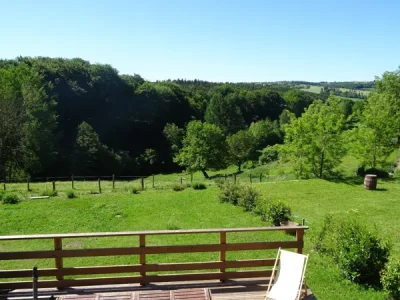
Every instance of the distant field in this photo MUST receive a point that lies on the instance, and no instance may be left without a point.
(317, 89)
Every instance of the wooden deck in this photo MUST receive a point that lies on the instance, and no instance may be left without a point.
(246, 289)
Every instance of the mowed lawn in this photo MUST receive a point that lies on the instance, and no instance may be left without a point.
(189, 209)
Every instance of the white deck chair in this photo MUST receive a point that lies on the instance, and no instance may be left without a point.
(290, 277)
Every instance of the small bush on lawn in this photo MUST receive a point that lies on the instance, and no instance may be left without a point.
(391, 280)
(360, 253)
(50, 193)
(380, 173)
(249, 197)
(178, 187)
(230, 192)
(198, 186)
(276, 212)
(11, 199)
(70, 194)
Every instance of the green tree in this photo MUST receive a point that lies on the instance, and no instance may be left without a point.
(314, 142)
(204, 148)
(224, 111)
(376, 135)
(174, 136)
(240, 146)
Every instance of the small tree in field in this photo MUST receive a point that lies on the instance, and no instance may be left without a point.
(313, 142)
(203, 148)
(240, 145)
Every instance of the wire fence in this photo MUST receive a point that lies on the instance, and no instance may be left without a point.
(113, 183)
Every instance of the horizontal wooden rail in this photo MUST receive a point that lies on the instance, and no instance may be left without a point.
(220, 267)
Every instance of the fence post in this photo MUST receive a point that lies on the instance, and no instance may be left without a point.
(234, 177)
(142, 245)
(299, 238)
(54, 186)
(99, 185)
(4, 184)
(191, 177)
(153, 181)
(250, 177)
(260, 177)
(181, 180)
(113, 180)
(27, 183)
(58, 259)
(34, 283)
(72, 181)
(142, 183)
(222, 254)
(226, 177)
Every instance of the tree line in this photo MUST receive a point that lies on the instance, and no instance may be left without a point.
(68, 116)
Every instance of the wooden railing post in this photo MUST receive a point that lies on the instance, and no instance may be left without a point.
(142, 183)
(59, 259)
(222, 254)
(142, 244)
(113, 181)
(35, 283)
(72, 181)
(299, 238)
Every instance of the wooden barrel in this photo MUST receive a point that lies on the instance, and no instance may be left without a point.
(370, 182)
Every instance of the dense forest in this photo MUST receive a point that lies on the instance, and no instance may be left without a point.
(67, 116)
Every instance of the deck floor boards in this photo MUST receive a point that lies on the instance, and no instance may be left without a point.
(246, 289)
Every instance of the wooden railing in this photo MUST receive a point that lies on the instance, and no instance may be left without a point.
(58, 254)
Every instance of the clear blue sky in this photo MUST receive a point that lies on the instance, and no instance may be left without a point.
(215, 40)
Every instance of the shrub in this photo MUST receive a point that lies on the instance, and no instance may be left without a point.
(178, 187)
(277, 211)
(380, 173)
(249, 197)
(70, 194)
(268, 154)
(391, 280)
(199, 186)
(360, 253)
(49, 193)
(230, 192)
(11, 199)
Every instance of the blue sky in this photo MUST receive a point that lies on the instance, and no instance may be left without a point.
(214, 40)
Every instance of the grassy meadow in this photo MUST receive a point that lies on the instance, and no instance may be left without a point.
(162, 208)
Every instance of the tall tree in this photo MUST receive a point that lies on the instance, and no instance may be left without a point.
(204, 148)
(314, 142)
(240, 146)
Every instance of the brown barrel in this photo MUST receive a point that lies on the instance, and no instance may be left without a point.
(370, 182)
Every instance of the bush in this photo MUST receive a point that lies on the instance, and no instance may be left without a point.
(391, 280)
(380, 173)
(249, 197)
(230, 192)
(178, 187)
(277, 212)
(199, 186)
(50, 193)
(360, 253)
(268, 154)
(11, 199)
(70, 194)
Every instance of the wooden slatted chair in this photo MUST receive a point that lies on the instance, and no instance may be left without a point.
(288, 278)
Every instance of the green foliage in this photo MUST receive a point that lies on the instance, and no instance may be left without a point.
(390, 280)
(204, 147)
(359, 252)
(240, 146)
(275, 212)
(11, 199)
(70, 194)
(178, 187)
(50, 193)
(268, 155)
(265, 132)
(230, 192)
(134, 190)
(380, 173)
(174, 136)
(249, 197)
(314, 142)
(198, 186)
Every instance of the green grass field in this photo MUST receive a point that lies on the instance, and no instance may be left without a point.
(166, 209)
